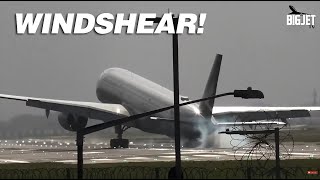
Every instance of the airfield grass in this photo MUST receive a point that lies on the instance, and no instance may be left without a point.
(129, 171)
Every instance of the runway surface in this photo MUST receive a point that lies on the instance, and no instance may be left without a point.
(63, 150)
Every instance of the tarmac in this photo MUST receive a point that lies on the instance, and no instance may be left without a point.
(63, 150)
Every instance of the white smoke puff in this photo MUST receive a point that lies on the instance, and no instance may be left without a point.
(224, 140)
(216, 140)
(207, 138)
(204, 134)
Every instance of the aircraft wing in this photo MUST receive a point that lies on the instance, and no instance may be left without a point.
(248, 113)
(100, 111)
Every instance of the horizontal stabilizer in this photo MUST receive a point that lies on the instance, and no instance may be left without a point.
(253, 123)
(247, 113)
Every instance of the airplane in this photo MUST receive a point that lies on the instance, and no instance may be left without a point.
(123, 93)
(294, 11)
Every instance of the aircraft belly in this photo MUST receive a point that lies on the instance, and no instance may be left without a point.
(188, 131)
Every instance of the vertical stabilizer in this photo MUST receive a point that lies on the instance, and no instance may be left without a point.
(211, 88)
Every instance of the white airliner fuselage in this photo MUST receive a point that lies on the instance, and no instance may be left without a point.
(138, 94)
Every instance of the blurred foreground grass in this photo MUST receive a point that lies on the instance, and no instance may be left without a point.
(295, 168)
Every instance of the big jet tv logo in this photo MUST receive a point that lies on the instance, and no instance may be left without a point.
(300, 19)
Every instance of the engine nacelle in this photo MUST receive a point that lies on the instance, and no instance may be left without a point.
(72, 122)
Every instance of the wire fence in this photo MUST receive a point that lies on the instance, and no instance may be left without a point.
(131, 172)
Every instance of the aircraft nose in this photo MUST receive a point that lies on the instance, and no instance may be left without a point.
(108, 72)
(104, 90)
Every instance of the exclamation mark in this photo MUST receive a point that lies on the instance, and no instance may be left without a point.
(202, 19)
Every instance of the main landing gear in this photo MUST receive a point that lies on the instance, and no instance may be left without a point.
(119, 142)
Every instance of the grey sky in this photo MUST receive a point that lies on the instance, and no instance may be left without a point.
(258, 48)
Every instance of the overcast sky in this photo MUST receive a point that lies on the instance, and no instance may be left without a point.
(258, 48)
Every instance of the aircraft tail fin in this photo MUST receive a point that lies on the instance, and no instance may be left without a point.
(205, 107)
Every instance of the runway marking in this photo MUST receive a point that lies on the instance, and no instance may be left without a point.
(13, 161)
(102, 159)
(23, 150)
(246, 154)
(160, 149)
(195, 150)
(187, 152)
(67, 161)
(172, 156)
(206, 155)
(301, 154)
(223, 153)
(137, 158)
(91, 153)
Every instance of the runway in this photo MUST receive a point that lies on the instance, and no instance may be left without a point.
(63, 150)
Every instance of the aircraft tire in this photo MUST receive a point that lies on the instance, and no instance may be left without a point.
(119, 143)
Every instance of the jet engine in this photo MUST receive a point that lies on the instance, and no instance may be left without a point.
(72, 122)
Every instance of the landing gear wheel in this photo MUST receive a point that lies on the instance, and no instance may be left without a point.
(119, 143)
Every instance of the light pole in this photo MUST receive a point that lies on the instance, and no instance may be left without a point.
(80, 137)
(176, 100)
(277, 141)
